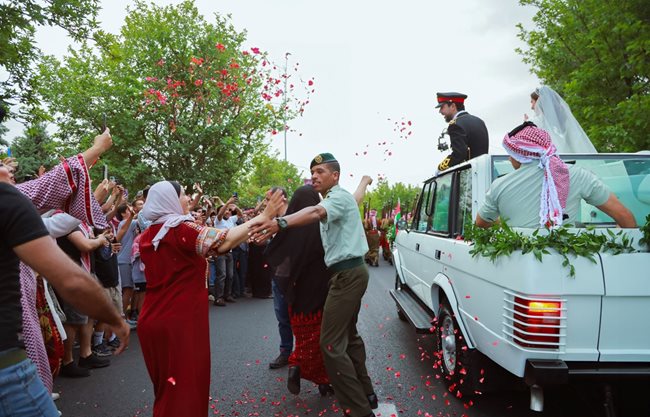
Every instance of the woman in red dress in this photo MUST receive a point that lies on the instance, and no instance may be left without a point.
(173, 325)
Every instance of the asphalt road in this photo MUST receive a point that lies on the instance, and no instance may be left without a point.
(244, 339)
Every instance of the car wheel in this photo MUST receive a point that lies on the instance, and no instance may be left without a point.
(398, 287)
(457, 361)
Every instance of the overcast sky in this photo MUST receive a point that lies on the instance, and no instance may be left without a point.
(373, 61)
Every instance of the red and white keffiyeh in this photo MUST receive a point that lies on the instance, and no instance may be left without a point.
(66, 187)
(532, 143)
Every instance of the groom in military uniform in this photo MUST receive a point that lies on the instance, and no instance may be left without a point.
(468, 134)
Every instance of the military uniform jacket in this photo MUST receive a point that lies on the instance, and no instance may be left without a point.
(469, 139)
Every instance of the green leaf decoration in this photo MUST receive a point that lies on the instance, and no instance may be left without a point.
(501, 240)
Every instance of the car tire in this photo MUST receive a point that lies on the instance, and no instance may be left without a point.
(458, 363)
(398, 287)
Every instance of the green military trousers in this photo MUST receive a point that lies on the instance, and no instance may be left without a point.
(343, 350)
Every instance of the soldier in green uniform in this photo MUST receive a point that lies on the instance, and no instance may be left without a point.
(467, 133)
(345, 245)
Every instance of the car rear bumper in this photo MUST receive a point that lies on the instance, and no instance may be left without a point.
(557, 372)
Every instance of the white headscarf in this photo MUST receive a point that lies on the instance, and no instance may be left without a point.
(163, 207)
(60, 224)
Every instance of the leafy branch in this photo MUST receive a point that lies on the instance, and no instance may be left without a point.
(501, 240)
(645, 229)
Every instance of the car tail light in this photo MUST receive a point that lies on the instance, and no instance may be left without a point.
(537, 322)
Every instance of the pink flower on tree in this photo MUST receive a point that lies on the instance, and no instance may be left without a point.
(220, 47)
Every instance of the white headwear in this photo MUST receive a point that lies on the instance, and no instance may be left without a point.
(59, 224)
(554, 115)
(163, 207)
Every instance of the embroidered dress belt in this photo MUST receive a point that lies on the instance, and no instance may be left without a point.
(10, 357)
(347, 264)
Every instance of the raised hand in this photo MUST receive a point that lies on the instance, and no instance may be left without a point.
(104, 141)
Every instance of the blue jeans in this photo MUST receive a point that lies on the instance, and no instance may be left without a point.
(284, 323)
(22, 393)
(240, 266)
(223, 283)
(212, 277)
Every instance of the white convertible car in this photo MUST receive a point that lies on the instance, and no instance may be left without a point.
(529, 317)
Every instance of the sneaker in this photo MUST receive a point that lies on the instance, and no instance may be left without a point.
(55, 396)
(211, 297)
(279, 362)
(220, 302)
(71, 370)
(93, 361)
(132, 324)
(102, 350)
(114, 344)
(230, 299)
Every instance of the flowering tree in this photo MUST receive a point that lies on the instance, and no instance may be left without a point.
(184, 98)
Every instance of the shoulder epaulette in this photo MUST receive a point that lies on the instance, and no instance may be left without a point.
(444, 164)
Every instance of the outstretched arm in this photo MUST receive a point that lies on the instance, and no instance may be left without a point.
(74, 284)
(102, 143)
(261, 229)
(239, 234)
(617, 211)
(361, 189)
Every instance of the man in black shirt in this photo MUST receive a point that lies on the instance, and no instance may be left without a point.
(24, 237)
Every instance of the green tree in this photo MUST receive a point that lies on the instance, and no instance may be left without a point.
(595, 54)
(33, 149)
(18, 52)
(183, 97)
(3, 132)
(384, 197)
(268, 171)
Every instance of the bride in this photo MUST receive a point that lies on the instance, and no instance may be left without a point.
(553, 114)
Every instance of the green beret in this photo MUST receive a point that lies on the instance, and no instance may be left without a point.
(322, 158)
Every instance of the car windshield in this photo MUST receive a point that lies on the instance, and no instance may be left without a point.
(627, 176)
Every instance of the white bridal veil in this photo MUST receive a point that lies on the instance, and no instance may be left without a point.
(554, 115)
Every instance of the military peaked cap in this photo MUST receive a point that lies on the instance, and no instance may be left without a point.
(450, 98)
(322, 158)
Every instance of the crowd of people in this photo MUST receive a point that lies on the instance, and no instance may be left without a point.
(81, 268)
(144, 263)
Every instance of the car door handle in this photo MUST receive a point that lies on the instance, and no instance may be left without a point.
(437, 254)
(417, 246)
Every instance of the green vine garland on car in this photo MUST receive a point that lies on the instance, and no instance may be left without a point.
(645, 229)
(501, 240)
